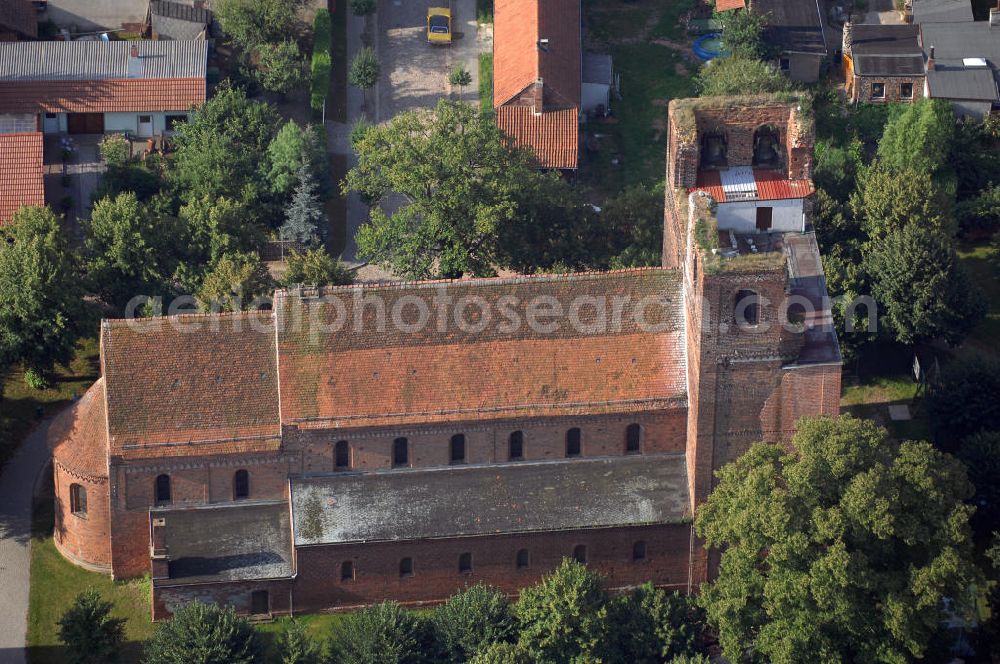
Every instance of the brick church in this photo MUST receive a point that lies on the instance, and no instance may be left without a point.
(404, 440)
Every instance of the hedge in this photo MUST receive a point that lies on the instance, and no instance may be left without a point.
(322, 41)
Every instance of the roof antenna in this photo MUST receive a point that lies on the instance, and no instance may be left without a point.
(543, 44)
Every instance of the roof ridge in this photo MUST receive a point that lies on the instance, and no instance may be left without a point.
(218, 315)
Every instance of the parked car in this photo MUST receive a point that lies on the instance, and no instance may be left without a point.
(439, 25)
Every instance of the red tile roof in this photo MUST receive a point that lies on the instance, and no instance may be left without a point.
(518, 59)
(553, 136)
(365, 376)
(191, 385)
(726, 5)
(102, 96)
(79, 436)
(22, 180)
(20, 16)
(771, 186)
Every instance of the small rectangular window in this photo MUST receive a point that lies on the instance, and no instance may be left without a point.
(465, 563)
(516, 450)
(174, 120)
(457, 451)
(783, 62)
(401, 452)
(878, 90)
(906, 90)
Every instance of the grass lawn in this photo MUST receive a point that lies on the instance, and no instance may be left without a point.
(980, 260)
(880, 378)
(643, 38)
(486, 82)
(21, 406)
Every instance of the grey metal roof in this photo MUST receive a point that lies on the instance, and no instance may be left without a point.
(886, 50)
(955, 41)
(597, 68)
(466, 501)
(942, 11)
(165, 27)
(180, 11)
(955, 81)
(232, 542)
(99, 60)
(889, 65)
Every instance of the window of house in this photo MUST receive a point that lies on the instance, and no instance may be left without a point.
(341, 455)
(639, 551)
(523, 559)
(401, 452)
(580, 554)
(457, 448)
(747, 308)
(347, 570)
(162, 489)
(465, 563)
(77, 500)
(241, 485)
(174, 120)
(633, 437)
(260, 603)
(906, 90)
(783, 63)
(406, 567)
(573, 442)
(516, 446)
(878, 90)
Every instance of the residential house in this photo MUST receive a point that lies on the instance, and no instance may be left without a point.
(963, 61)
(883, 63)
(177, 20)
(18, 20)
(21, 174)
(537, 77)
(938, 11)
(93, 87)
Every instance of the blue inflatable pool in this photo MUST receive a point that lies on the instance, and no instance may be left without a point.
(709, 46)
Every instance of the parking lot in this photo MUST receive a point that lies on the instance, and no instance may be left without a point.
(415, 73)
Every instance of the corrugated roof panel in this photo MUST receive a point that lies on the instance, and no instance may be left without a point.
(99, 60)
(738, 182)
(731, 185)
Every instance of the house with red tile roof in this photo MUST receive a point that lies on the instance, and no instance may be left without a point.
(21, 174)
(537, 77)
(94, 87)
(18, 20)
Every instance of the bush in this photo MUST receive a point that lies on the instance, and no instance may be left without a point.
(296, 647)
(470, 621)
(317, 268)
(114, 150)
(321, 59)
(88, 631)
(384, 633)
(365, 69)
(964, 400)
(204, 634)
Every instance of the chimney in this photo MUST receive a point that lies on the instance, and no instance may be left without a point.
(134, 51)
(538, 97)
(848, 38)
(930, 59)
(543, 45)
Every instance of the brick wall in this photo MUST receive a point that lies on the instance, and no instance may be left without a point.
(167, 599)
(84, 538)
(662, 431)
(436, 576)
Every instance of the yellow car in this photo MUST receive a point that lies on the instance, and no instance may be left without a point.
(439, 25)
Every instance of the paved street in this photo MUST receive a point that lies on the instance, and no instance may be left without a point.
(17, 480)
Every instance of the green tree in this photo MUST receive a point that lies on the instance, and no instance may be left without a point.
(501, 653)
(963, 400)
(459, 77)
(650, 625)
(296, 647)
(840, 550)
(743, 34)
(459, 180)
(219, 152)
(234, 282)
(42, 313)
(981, 455)
(381, 634)
(922, 290)
(365, 70)
(919, 137)
(279, 67)
(888, 199)
(129, 251)
(635, 217)
(114, 150)
(739, 75)
(204, 634)
(218, 226)
(88, 631)
(362, 7)
(285, 154)
(316, 267)
(564, 619)
(470, 621)
(305, 219)
(837, 166)
(250, 23)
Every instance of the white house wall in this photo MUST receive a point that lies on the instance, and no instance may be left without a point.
(741, 216)
(120, 122)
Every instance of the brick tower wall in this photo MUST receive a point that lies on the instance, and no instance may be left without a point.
(82, 538)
